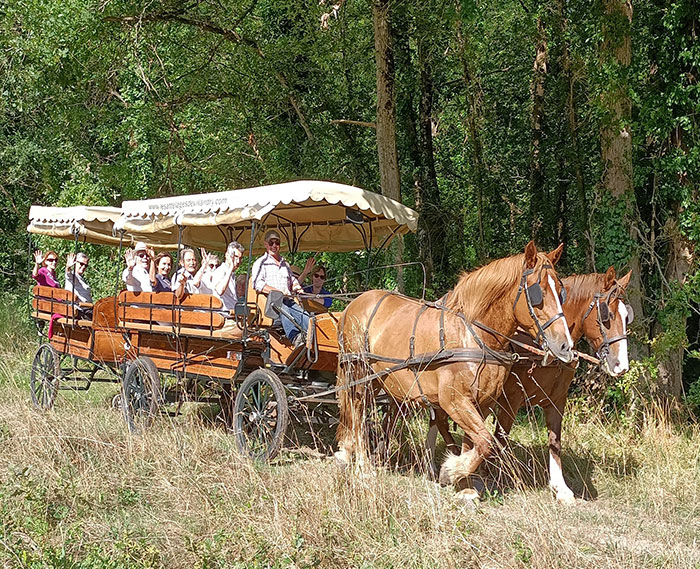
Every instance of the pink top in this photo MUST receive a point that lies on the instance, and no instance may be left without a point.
(45, 278)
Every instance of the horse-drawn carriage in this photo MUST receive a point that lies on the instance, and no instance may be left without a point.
(168, 350)
(454, 356)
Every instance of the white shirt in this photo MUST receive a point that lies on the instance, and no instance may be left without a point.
(266, 271)
(206, 285)
(137, 279)
(189, 281)
(82, 289)
(229, 297)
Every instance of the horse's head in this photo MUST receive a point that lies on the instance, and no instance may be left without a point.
(605, 324)
(537, 305)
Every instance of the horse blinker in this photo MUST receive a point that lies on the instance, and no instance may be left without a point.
(534, 294)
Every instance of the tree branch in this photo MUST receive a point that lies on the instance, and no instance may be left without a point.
(355, 123)
(230, 35)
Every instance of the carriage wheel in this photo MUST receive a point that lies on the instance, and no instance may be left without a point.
(46, 373)
(140, 396)
(261, 415)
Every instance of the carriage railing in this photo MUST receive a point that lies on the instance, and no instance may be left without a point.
(50, 303)
(164, 312)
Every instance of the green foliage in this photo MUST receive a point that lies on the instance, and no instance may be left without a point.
(103, 102)
(692, 398)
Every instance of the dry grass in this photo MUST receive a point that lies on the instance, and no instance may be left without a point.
(77, 491)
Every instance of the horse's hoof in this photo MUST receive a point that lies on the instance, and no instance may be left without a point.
(448, 471)
(341, 459)
(469, 496)
(566, 498)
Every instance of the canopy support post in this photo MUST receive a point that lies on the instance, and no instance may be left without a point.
(75, 262)
(248, 283)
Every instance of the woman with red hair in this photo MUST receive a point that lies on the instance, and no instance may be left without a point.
(44, 271)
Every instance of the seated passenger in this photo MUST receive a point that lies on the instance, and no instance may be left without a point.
(241, 284)
(224, 278)
(187, 278)
(207, 284)
(160, 273)
(318, 279)
(74, 278)
(136, 276)
(44, 271)
(271, 272)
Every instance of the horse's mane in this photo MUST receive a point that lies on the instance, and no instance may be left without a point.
(582, 287)
(476, 291)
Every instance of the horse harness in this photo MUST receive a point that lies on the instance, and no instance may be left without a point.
(419, 362)
(601, 302)
(483, 355)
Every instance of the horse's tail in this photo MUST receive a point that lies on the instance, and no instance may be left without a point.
(343, 378)
(352, 367)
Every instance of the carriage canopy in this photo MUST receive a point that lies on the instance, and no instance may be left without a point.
(310, 215)
(92, 224)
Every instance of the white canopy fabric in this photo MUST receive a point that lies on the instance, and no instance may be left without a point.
(310, 215)
(93, 224)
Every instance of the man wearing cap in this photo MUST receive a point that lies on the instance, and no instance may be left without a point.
(271, 272)
(136, 275)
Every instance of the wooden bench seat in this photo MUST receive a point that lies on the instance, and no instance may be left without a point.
(195, 315)
(47, 301)
(233, 333)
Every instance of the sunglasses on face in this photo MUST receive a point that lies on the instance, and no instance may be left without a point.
(51, 260)
(272, 242)
(320, 276)
(82, 264)
(141, 254)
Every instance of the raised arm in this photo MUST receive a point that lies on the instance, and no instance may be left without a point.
(310, 264)
(38, 260)
(70, 262)
(130, 260)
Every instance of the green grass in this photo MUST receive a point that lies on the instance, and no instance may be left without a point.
(77, 491)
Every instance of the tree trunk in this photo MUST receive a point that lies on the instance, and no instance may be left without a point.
(389, 175)
(386, 106)
(472, 90)
(539, 206)
(616, 141)
(670, 380)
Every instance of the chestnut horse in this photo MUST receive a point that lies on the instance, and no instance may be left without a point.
(457, 352)
(594, 309)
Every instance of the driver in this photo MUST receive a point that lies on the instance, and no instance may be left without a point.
(271, 272)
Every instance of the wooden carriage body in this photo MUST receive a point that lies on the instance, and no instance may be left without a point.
(73, 331)
(188, 337)
(137, 338)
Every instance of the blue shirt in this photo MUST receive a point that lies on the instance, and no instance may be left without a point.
(326, 301)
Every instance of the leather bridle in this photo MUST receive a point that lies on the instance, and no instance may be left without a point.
(534, 297)
(601, 302)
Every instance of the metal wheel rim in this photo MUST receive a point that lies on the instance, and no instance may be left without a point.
(44, 380)
(258, 424)
(136, 402)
